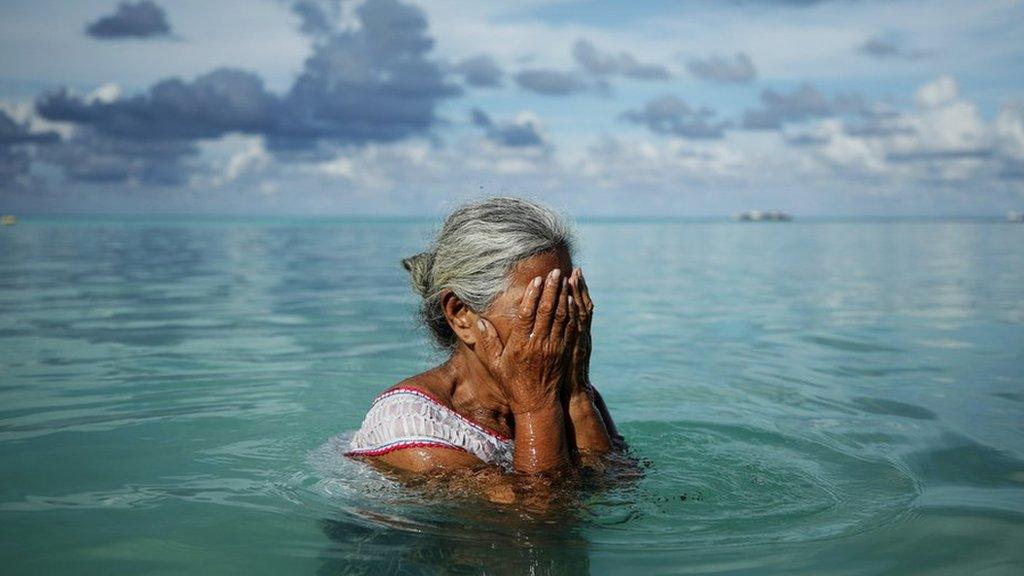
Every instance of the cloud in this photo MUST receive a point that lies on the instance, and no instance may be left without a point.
(888, 47)
(551, 82)
(942, 142)
(16, 139)
(937, 93)
(595, 61)
(522, 131)
(371, 83)
(142, 19)
(736, 70)
(212, 105)
(946, 127)
(314, 20)
(672, 116)
(480, 71)
(95, 159)
(13, 133)
(634, 168)
(804, 103)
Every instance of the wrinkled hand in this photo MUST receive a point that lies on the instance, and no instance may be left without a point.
(579, 373)
(534, 361)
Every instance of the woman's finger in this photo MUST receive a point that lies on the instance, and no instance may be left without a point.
(572, 324)
(561, 316)
(489, 339)
(576, 292)
(586, 304)
(528, 306)
(548, 304)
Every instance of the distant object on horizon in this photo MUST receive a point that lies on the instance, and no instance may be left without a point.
(759, 216)
(8, 220)
(1012, 216)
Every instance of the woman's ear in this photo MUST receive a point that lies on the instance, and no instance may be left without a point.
(459, 316)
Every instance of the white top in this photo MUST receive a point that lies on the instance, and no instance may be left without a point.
(405, 417)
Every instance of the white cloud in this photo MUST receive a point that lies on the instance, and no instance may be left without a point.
(936, 93)
(253, 157)
(943, 142)
(105, 94)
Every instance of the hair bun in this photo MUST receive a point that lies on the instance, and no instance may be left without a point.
(420, 269)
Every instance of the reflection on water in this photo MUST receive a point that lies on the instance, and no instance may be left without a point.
(811, 398)
(496, 545)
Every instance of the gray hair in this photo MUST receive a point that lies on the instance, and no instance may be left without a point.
(476, 249)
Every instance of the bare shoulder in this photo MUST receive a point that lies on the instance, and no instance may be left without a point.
(419, 459)
(429, 382)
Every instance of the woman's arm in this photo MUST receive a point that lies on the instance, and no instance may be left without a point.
(531, 367)
(606, 416)
(590, 431)
(591, 425)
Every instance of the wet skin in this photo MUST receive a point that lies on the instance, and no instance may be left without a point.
(520, 368)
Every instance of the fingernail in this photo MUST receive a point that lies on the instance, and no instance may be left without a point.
(555, 274)
(480, 325)
(570, 300)
(537, 281)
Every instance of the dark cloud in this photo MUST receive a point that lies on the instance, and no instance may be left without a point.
(16, 139)
(212, 105)
(736, 70)
(14, 166)
(517, 133)
(874, 126)
(888, 47)
(595, 61)
(314, 17)
(371, 83)
(551, 82)
(672, 116)
(940, 155)
(14, 133)
(807, 139)
(804, 103)
(142, 19)
(480, 71)
(92, 158)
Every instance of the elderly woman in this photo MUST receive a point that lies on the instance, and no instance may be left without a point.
(500, 293)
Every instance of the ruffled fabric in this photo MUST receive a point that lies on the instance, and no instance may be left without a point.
(409, 418)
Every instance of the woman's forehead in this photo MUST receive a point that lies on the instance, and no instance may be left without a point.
(540, 265)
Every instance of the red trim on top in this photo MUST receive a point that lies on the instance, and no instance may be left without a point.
(402, 446)
(431, 397)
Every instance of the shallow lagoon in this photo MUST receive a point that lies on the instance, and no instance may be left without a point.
(812, 397)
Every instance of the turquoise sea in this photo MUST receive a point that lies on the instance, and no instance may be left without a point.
(826, 397)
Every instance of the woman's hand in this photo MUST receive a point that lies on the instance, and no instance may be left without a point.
(579, 372)
(588, 429)
(534, 361)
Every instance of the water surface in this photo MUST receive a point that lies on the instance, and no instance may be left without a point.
(820, 398)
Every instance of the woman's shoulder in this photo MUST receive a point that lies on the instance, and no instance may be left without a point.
(417, 413)
(426, 384)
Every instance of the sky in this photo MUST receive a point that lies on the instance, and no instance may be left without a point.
(600, 108)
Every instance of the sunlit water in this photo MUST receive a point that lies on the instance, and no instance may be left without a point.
(817, 398)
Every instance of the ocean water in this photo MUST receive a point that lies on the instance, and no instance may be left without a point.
(811, 398)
